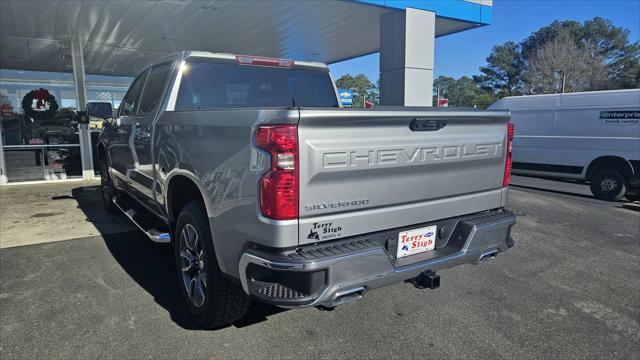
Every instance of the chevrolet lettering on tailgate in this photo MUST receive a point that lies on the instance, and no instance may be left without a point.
(410, 156)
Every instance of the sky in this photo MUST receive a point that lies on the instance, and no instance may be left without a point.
(463, 53)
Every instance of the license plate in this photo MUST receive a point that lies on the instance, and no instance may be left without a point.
(416, 241)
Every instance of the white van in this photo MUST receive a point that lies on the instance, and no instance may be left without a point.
(589, 136)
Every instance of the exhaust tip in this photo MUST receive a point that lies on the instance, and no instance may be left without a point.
(489, 255)
(343, 297)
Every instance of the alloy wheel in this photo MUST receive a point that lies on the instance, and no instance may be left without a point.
(194, 275)
(608, 184)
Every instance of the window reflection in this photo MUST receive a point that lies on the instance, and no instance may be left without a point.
(47, 147)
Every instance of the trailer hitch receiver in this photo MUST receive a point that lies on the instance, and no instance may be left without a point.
(426, 279)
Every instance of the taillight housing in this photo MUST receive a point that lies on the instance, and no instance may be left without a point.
(509, 160)
(279, 185)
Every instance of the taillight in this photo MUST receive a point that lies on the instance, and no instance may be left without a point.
(263, 61)
(279, 185)
(507, 165)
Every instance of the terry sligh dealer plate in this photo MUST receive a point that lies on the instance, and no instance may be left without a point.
(415, 241)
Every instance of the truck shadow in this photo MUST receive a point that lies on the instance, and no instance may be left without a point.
(573, 188)
(559, 192)
(583, 197)
(149, 264)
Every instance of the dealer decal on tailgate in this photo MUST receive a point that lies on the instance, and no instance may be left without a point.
(415, 241)
(324, 231)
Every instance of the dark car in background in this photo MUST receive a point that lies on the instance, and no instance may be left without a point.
(62, 129)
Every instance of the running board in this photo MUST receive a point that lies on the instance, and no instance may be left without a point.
(147, 222)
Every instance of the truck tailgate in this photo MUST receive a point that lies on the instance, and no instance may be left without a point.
(368, 170)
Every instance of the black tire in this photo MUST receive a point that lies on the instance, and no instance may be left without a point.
(108, 190)
(609, 185)
(221, 302)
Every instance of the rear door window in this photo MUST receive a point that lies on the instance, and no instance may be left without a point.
(130, 103)
(207, 85)
(153, 88)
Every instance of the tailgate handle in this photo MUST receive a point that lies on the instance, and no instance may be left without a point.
(419, 124)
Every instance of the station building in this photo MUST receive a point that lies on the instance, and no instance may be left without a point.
(76, 51)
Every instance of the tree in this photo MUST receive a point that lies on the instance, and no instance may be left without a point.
(443, 86)
(362, 88)
(600, 47)
(502, 75)
(462, 92)
(537, 40)
(562, 63)
(610, 46)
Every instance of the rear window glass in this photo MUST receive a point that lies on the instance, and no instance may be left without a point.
(153, 88)
(206, 85)
(130, 104)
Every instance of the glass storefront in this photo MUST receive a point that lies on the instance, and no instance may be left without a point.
(40, 137)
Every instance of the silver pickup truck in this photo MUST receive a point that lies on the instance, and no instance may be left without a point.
(268, 189)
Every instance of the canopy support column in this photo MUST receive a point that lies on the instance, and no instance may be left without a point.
(407, 40)
(86, 153)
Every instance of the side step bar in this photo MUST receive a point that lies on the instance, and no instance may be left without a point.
(148, 223)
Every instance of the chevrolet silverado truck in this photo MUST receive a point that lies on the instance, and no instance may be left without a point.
(268, 189)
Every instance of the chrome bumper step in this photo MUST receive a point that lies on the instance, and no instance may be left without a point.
(145, 221)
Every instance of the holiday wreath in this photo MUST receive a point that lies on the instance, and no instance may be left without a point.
(46, 104)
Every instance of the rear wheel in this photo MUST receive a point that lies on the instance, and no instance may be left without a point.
(212, 300)
(108, 190)
(608, 184)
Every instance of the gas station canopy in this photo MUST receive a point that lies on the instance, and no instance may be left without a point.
(119, 37)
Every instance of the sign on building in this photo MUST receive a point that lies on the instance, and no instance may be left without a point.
(346, 97)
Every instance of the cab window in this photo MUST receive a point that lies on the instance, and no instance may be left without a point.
(130, 103)
(153, 88)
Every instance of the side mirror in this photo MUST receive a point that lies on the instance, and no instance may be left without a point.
(102, 110)
(82, 117)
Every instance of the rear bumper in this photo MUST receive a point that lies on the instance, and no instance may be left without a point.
(331, 274)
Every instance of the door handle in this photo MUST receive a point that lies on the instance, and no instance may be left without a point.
(423, 124)
(142, 134)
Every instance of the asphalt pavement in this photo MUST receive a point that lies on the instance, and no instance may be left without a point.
(569, 289)
(41, 213)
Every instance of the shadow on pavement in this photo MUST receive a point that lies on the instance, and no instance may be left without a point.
(150, 264)
(541, 188)
(619, 203)
(569, 187)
